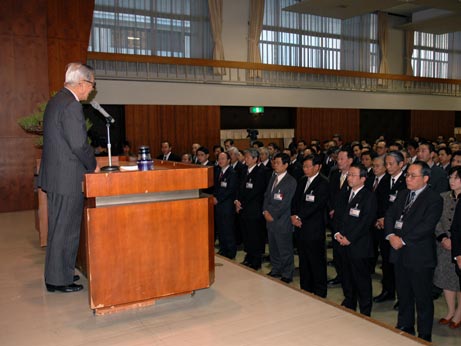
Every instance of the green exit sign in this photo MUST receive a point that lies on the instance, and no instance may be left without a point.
(256, 109)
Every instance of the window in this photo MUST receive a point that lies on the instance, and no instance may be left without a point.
(437, 56)
(174, 28)
(306, 40)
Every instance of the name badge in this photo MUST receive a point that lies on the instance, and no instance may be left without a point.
(223, 183)
(310, 198)
(398, 224)
(249, 185)
(278, 196)
(392, 198)
(354, 212)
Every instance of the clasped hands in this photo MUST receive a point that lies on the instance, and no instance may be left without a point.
(342, 240)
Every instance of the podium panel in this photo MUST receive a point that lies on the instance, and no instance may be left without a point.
(147, 251)
(147, 235)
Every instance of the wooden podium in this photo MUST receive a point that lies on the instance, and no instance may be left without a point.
(148, 234)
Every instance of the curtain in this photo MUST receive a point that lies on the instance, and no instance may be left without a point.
(359, 43)
(454, 55)
(254, 32)
(409, 44)
(383, 41)
(215, 8)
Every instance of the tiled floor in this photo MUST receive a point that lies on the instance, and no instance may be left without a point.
(241, 308)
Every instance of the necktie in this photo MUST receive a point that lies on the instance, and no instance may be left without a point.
(341, 180)
(375, 185)
(392, 182)
(351, 196)
(412, 197)
(164, 157)
(220, 175)
(307, 185)
(276, 181)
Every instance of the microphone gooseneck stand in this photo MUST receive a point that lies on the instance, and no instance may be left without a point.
(109, 168)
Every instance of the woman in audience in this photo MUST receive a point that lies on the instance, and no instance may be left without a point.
(445, 275)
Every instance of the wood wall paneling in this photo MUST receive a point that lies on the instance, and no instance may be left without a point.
(322, 123)
(24, 76)
(181, 125)
(430, 124)
(69, 25)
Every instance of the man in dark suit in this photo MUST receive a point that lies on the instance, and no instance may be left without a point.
(225, 188)
(338, 184)
(166, 154)
(249, 206)
(386, 195)
(308, 213)
(277, 212)
(409, 225)
(444, 158)
(354, 215)
(439, 179)
(67, 156)
(379, 188)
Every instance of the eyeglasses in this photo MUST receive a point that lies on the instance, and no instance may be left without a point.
(353, 175)
(413, 176)
(93, 84)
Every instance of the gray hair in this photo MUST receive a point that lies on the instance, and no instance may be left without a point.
(264, 150)
(76, 72)
(253, 152)
(233, 150)
(397, 155)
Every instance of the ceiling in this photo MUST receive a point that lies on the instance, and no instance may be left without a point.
(434, 16)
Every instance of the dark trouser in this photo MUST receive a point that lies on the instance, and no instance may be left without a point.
(225, 222)
(281, 250)
(356, 282)
(414, 287)
(337, 262)
(312, 264)
(388, 268)
(64, 221)
(254, 238)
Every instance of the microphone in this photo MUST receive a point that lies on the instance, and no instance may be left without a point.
(101, 110)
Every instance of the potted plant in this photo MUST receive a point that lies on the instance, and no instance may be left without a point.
(33, 123)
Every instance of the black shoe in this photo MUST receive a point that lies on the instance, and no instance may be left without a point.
(245, 263)
(396, 306)
(65, 289)
(385, 295)
(254, 266)
(426, 337)
(76, 277)
(286, 280)
(274, 275)
(409, 330)
(334, 282)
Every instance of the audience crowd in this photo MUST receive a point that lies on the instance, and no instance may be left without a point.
(393, 200)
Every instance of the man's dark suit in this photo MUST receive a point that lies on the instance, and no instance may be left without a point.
(335, 189)
(379, 191)
(310, 206)
(171, 157)
(251, 196)
(280, 231)
(67, 156)
(386, 197)
(438, 180)
(295, 169)
(225, 189)
(414, 263)
(355, 257)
